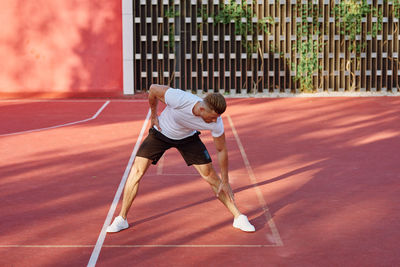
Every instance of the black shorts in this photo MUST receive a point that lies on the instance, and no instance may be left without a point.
(191, 148)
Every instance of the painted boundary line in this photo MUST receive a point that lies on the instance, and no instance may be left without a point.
(253, 179)
(61, 125)
(138, 246)
(71, 100)
(102, 235)
(189, 246)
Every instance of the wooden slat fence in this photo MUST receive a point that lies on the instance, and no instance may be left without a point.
(178, 43)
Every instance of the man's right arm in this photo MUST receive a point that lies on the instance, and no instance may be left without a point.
(156, 92)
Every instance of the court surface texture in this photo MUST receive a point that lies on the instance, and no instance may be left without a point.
(318, 177)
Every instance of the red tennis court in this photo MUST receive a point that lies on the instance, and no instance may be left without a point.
(318, 177)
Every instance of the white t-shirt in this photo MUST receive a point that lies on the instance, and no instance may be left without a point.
(177, 120)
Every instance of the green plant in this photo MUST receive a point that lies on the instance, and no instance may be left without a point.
(305, 46)
(349, 15)
(396, 13)
(308, 10)
(202, 13)
(308, 64)
(171, 13)
(396, 8)
(242, 15)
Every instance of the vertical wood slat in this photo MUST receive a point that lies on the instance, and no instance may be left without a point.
(376, 68)
(373, 57)
(390, 48)
(393, 48)
(385, 47)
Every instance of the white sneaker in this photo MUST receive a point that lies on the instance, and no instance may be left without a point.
(118, 224)
(242, 223)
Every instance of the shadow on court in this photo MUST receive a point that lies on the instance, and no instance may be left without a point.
(326, 167)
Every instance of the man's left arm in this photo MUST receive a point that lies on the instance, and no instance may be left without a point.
(222, 152)
(220, 145)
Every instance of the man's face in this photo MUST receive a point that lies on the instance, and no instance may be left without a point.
(209, 115)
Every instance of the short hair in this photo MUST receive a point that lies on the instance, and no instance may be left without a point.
(216, 102)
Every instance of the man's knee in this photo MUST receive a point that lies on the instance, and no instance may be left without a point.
(139, 167)
(135, 176)
(207, 171)
(138, 172)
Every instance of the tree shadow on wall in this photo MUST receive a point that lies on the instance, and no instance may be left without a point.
(63, 46)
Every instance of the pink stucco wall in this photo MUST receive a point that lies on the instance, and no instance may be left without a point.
(71, 46)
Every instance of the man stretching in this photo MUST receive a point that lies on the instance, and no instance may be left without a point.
(177, 127)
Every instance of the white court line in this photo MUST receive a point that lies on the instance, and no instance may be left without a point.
(179, 174)
(138, 246)
(253, 179)
(71, 100)
(189, 246)
(61, 125)
(46, 246)
(102, 236)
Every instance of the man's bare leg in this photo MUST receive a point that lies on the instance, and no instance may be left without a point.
(207, 171)
(138, 169)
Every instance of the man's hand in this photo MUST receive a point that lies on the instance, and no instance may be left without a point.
(156, 93)
(222, 151)
(154, 121)
(225, 187)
